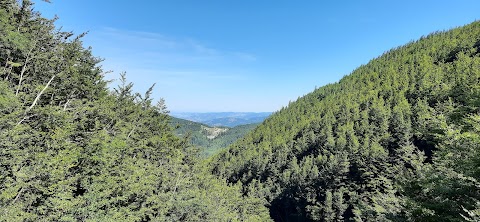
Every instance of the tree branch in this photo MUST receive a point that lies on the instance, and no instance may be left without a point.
(39, 95)
(24, 68)
(18, 195)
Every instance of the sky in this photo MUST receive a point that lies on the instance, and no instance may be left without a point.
(245, 55)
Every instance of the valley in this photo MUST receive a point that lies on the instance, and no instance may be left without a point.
(225, 119)
(210, 139)
(396, 139)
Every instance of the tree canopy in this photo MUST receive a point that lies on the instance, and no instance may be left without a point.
(72, 150)
(396, 140)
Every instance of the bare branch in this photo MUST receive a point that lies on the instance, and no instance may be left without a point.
(24, 68)
(39, 95)
(18, 195)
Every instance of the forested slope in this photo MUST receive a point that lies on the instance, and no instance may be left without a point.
(71, 150)
(396, 140)
(198, 134)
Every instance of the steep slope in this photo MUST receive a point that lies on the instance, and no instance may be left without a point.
(397, 139)
(210, 139)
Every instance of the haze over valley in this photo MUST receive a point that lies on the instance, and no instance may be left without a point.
(229, 119)
(291, 111)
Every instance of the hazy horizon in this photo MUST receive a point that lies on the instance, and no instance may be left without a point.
(217, 111)
(246, 56)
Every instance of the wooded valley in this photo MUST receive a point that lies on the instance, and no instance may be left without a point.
(398, 139)
(209, 143)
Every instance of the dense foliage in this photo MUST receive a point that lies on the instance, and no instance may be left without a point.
(198, 134)
(396, 140)
(70, 150)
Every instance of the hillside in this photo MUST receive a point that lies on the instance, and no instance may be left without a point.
(73, 150)
(209, 139)
(224, 119)
(396, 140)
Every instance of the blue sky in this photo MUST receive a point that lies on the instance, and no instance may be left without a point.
(247, 56)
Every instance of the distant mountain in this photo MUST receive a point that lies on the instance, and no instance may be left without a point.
(227, 119)
(210, 138)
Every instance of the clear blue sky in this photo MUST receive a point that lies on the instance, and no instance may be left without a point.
(244, 55)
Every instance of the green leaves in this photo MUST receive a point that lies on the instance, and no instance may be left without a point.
(70, 150)
(14, 64)
(398, 137)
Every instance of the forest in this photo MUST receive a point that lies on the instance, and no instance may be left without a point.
(198, 134)
(398, 139)
(72, 150)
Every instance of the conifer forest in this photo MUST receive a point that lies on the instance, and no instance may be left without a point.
(398, 139)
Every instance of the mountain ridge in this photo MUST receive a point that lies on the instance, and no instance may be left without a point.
(362, 149)
(225, 119)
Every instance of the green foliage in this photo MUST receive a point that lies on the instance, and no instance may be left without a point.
(70, 150)
(396, 140)
(198, 134)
